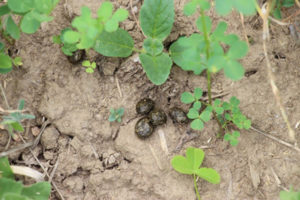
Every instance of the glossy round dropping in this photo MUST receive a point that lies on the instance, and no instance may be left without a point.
(144, 106)
(76, 57)
(157, 117)
(178, 116)
(144, 128)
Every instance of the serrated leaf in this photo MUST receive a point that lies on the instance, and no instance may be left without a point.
(29, 24)
(105, 11)
(207, 24)
(5, 170)
(189, 53)
(71, 37)
(20, 6)
(157, 67)
(153, 46)
(5, 63)
(12, 28)
(37, 191)
(197, 124)
(193, 113)
(187, 98)
(234, 70)
(198, 93)
(209, 175)
(237, 50)
(157, 18)
(115, 44)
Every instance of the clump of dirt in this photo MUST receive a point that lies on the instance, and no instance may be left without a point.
(95, 159)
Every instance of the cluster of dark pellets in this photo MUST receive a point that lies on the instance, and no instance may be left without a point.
(154, 117)
(76, 57)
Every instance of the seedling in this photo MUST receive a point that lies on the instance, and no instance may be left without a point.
(191, 165)
(10, 189)
(116, 115)
(31, 14)
(278, 4)
(290, 195)
(13, 122)
(90, 67)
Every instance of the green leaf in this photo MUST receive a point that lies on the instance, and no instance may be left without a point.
(223, 7)
(289, 195)
(105, 11)
(17, 61)
(198, 93)
(234, 70)
(189, 53)
(89, 70)
(115, 44)
(205, 116)
(234, 101)
(247, 7)
(207, 22)
(219, 31)
(9, 186)
(193, 113)
(20, 6)
(45, 6)
(4, 10)
(111, 25)
(190, 8)
(288, 3)
(219, 110)
(187, 98)
(86, 63)
(197, 105)
(12, 28)
(209, 175)
(1, 47)
(247, 124)
(120, 15)
(277, 13)
(195, 156)
(5, 63)
(21, 104)
(37, 191)
(157, 18)
(17, 126)
(237, 50)
(153, 46)
(120, 111)
(71, 37)
(197, 124)
(157, 67)
(29, 24)
(11, 196)
(5, 170)
(41, 17)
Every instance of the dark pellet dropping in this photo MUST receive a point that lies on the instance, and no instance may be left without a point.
(143, 128)
(178, 116)
(76, 57)
(157, 117)
(144, 106)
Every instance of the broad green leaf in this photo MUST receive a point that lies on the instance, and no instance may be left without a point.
(198, 93)
(247, 7)
(205, 116)
(12, 196)
(223, 7)
(1, 47)
(215, 63)
(157, 67)
(234, 70)
(111, 25)
(5, 64)
(4, 10)
(29, 24)
(182, 165)
(204, 22)
(44, 6)
(17, 126)
(12, 28)
(189, 53)
(190, 8)
(230, 39)
(5, 170)
(115, 44)
(197, 105)
(120, 15)
(37, 191)
(193, 113)
(41, 17)
(195, 156)
(237, 50)
(9, 186)
(187, 98)
(20, 6)
(197, 124)
(209, 175)
(105, 11)
(157, 18)
(71, 37)
(153, 46)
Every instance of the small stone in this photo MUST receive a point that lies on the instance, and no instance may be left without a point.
(49, 138)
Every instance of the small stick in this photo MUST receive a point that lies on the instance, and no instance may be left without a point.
(155, 157)
(118, 86)
(281, 23)
(37, 140)
(279, 184)
(4, 96)
(15, 149)
(163, 141)
(297, 2)
(215, 96)
(134, 17)
(276, 139)
(244, 29)
(291, 16)
(53, 171)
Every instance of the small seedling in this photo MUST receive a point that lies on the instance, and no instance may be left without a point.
(116, 115)
(13, 122)
(290, 195)
(10, 189)
(90, 67)
(232, 138)
(191, 165)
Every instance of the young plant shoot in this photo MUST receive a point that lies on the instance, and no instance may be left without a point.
(116, 115)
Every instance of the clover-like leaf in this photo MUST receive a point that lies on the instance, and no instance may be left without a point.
(232, 138)
(209, 175)
(157, 18)
(157, 67)
(29, 23)
(234, 70)
(204, 22)
(187, 98)
(193, 113)
(237, 50)
(198, 93)
(20, 6)
(197, 105)
(105, 11)
(205, 115)
(12, 28)
(4, 10)
(71, 37)
(197, 124)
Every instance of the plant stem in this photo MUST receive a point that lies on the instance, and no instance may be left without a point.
(138, 50)
(196, 188)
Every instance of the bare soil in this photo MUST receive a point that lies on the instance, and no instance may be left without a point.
(98, 160)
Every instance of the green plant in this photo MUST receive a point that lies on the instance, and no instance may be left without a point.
(10, 189)
(278, 4)
(290, 195)
(116, 115)
(13, 121)
(31, 14)
(191, 165)
(90, 67)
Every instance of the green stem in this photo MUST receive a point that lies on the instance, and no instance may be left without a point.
(196, 188)
(138, 50)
